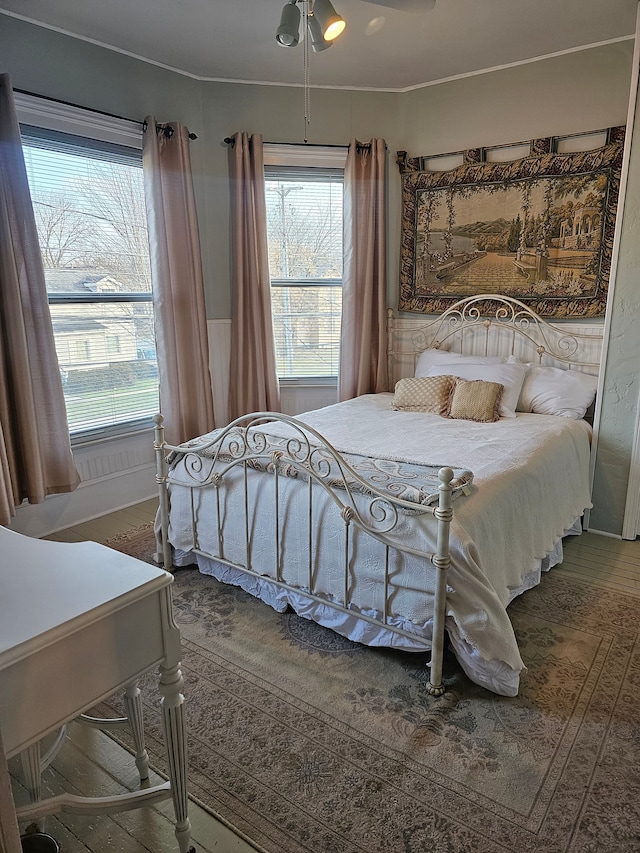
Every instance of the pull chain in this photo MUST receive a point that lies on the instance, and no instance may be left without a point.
(307, 89)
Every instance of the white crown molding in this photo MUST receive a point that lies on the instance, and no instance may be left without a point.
(542, 58)
(53, 115)
(411, 88)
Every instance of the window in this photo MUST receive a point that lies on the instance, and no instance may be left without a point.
(88, 201)
(304, 228)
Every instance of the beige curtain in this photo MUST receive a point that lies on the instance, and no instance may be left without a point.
(253, 381)
(363, 365)
(35, 452)
(186, 398)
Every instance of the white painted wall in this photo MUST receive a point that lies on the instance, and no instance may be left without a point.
(617, 470)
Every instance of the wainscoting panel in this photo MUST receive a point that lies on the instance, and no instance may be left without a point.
(219, 334)
(115, 473)
(120, 472)
(296, 399)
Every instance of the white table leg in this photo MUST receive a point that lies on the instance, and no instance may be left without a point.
(171, 686)
(133, 705)
(32, 770)
(31, 767)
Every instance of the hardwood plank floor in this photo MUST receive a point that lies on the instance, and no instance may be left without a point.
(92, 763)
(610, 563)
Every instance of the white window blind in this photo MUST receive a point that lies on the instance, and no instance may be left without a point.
(88, 201)
(304, 227)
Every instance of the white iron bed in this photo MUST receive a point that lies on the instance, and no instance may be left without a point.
(394, 527)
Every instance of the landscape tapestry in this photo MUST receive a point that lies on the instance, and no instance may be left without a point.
(538, 229)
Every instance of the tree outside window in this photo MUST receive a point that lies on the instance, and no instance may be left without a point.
(304, 225)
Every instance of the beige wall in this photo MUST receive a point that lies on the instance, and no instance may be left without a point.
(580, 91)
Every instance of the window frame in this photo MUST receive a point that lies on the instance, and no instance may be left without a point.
(44, 118)
(302, 158)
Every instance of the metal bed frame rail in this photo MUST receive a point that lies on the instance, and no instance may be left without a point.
(304, 454)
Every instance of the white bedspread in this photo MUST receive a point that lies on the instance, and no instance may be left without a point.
(531, 481)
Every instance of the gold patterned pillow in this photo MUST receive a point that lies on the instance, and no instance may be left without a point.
(475, 400)
(426, 394)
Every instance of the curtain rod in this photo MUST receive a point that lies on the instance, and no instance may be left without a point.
(228, 140)
(142, 124)
(166, 129)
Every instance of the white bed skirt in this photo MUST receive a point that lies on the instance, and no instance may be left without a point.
(495, 675)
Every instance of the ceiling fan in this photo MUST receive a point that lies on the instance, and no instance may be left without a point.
(321, 25)
(325, 24)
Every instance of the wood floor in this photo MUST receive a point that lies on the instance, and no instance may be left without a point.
(612, 563)
(91, 763)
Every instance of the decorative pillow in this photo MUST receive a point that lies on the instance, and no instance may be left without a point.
(426, 394)
(475, 400)
(430, 357)
(511, 376)
(554, 391)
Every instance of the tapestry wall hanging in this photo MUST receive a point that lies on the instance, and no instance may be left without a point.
(539, 229)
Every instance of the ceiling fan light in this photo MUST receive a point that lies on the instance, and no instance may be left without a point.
(288, 33)
(334, 29)
(331, 23)
(318, 41)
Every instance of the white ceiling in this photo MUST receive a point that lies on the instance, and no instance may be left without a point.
(382, 48)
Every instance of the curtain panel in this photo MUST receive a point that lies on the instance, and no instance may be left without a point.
(363, 344)
(186, 397)
(35, 449)
(253, 384)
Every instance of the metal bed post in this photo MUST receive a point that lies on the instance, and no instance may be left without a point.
(441, 560)
(166, 556)
(390, 352)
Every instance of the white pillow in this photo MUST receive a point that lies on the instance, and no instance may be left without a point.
(430, 357)
(553, 391)
(511, 376)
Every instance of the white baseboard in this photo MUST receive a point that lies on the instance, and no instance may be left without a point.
(604, 533)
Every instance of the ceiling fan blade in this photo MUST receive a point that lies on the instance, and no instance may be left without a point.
(405, 5)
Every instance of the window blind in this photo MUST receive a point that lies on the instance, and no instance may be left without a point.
(304, 227)
(88, 202)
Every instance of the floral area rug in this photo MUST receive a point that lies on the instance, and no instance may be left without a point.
(305, 741)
